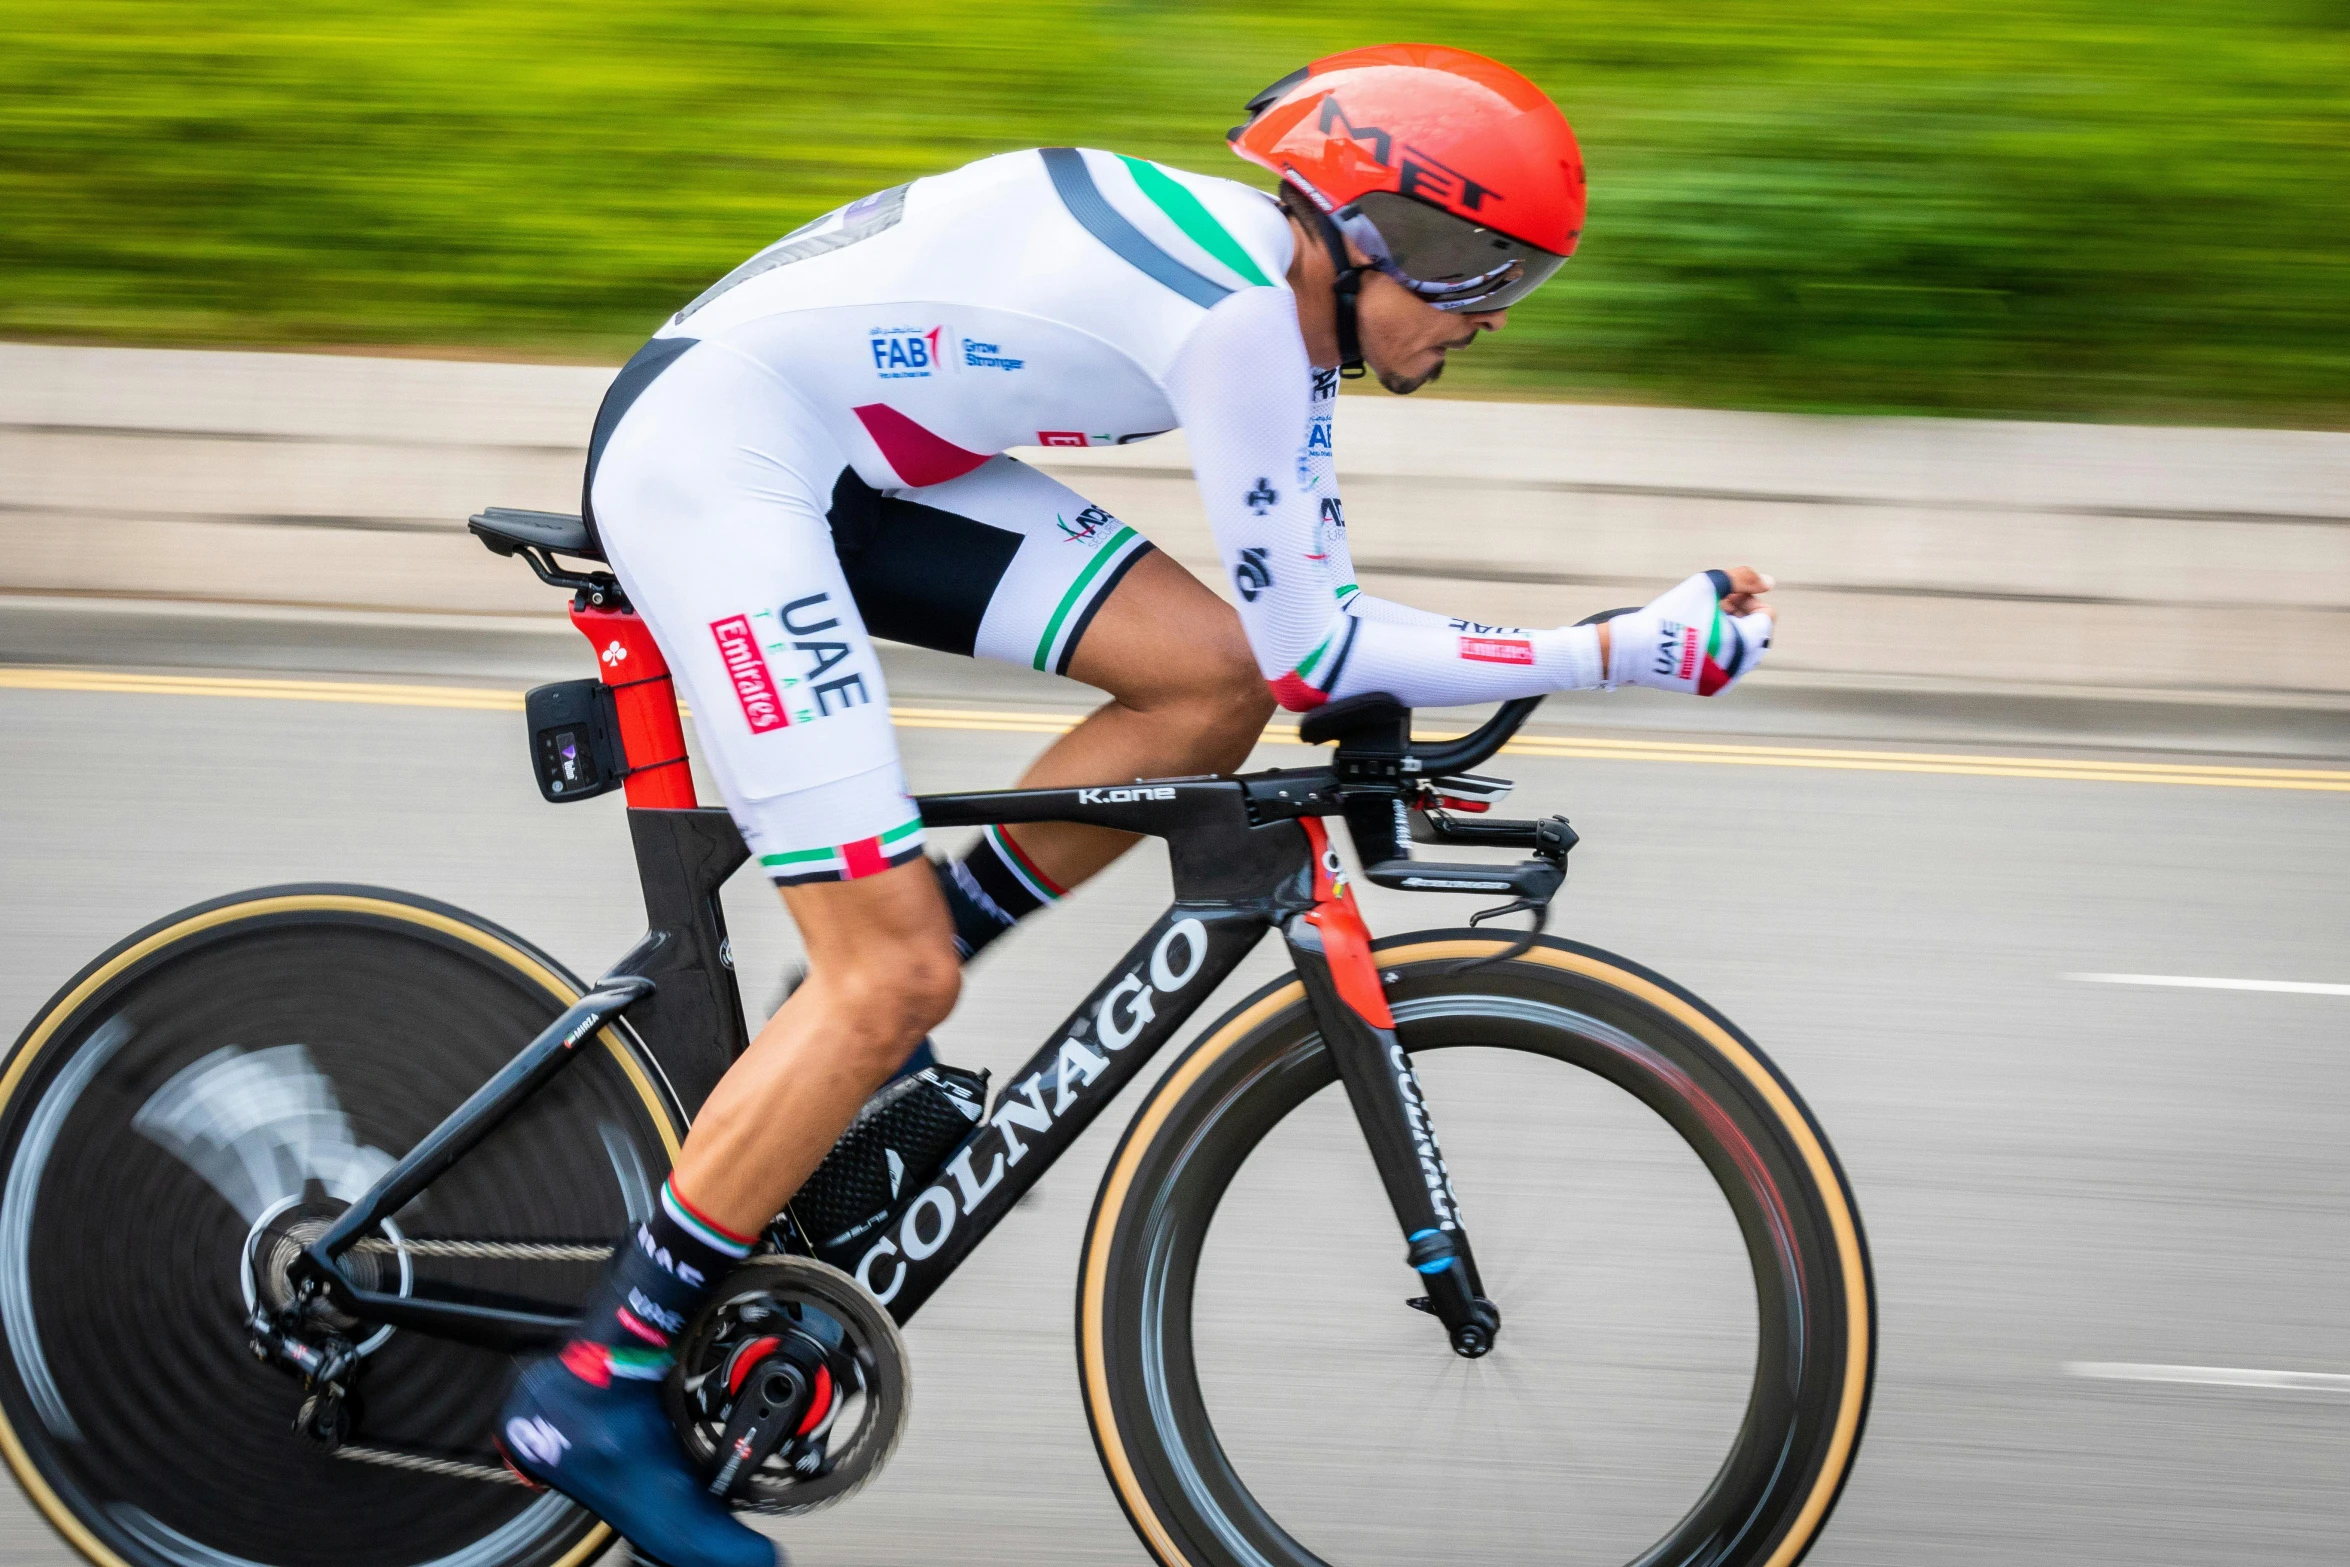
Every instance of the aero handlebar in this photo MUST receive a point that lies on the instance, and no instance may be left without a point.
(1377, 720)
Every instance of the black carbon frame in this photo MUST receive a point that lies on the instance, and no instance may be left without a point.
(1241, 866)
(1234, 881)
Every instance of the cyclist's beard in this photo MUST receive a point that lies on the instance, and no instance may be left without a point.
(1405, 386)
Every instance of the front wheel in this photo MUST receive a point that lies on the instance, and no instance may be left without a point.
(1687, 1318)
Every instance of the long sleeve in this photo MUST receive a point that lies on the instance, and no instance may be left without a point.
(1248, 400)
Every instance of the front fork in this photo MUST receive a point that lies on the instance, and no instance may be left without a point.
(1332, 950)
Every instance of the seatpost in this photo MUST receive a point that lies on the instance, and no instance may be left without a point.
(644, 697)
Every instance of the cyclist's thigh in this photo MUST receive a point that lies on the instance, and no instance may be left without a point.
(1003, 563)
(706, 508)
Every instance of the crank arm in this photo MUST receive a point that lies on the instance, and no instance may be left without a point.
(767, 1409)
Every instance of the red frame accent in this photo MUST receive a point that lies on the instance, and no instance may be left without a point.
(651, 737)
(1346, 940)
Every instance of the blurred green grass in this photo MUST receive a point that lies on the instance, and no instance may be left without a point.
(2075, 208)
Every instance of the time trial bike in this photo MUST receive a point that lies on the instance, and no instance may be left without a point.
(290, 1172)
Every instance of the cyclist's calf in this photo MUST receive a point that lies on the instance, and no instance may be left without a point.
(882, 966)
(882, 972)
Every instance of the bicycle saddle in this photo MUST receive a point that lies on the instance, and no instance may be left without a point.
(508, 530)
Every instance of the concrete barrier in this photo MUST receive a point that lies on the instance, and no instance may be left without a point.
(1977, 555)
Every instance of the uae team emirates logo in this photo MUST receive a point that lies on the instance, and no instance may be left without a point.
(754, 688)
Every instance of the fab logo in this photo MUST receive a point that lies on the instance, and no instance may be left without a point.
(904, 353)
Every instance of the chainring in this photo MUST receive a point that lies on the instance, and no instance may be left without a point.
(872, 1381)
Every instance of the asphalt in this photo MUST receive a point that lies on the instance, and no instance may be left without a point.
(2053, 1173)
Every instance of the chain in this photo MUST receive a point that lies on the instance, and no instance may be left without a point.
(485, 1251)
(453, 1468)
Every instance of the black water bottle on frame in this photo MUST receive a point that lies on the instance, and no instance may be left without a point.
(900, 1139)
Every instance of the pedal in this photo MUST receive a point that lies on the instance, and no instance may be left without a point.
(514, 1469)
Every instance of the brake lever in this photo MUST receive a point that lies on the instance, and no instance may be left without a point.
(1553, 839)
(1517, 949)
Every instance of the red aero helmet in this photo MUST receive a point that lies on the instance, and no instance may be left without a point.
(1456, 175)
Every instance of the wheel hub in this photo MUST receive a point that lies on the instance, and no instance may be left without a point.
(288, 1228)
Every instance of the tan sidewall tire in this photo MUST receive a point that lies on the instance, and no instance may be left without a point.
(1271, 1024)
(122, 965)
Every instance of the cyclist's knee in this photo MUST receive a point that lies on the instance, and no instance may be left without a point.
(894, 992)
(1230, 702)
(881, 960)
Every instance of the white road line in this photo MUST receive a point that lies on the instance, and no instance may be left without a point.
(2290, 987)
(2210, 1376)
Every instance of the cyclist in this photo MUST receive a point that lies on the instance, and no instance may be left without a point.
(812, 453)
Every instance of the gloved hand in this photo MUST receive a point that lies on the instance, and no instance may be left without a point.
(1702, 637)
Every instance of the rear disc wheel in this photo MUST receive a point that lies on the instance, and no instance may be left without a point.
(182, 1118)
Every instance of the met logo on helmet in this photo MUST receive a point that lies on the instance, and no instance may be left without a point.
(1439, 133)
(1334, 116)
(1420, 174)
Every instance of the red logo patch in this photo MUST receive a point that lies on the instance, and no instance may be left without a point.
(1497, 650)
(1688, 652)
(754, 688)
(1062, 438)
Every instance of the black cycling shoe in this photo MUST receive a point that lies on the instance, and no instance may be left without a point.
(611, 1449)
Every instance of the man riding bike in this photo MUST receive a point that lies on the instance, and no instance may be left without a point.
(812, 453)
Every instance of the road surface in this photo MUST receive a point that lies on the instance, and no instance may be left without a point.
(2108, 1218)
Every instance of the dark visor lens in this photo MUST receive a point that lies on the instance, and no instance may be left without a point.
(1459, 265)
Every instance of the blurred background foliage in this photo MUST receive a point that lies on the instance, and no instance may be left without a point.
(2063, 208)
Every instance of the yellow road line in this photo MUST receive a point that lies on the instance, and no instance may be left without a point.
(479, 697)
(1046, 722)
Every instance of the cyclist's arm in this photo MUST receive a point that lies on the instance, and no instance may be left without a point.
(1240, 386)
(1351, 597)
